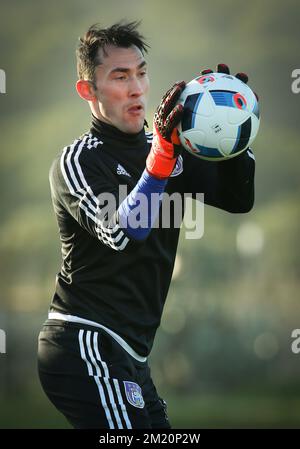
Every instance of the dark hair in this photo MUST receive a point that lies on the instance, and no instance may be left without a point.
(120, 35)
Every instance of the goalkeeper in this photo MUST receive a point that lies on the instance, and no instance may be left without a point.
(114, 279)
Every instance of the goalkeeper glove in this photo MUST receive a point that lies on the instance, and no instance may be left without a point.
(166, 144)
(223, 68)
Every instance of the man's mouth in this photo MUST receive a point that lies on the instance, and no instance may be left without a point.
(135, 109)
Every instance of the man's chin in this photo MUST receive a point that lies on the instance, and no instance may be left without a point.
(126, 126)
(133, 128)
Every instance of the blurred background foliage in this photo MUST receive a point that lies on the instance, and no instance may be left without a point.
(222, 357)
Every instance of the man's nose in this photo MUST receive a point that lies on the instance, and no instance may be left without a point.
(135, 87)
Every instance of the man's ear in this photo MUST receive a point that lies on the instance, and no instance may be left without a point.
(85, 90)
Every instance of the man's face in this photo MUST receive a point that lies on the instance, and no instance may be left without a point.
(122, 87)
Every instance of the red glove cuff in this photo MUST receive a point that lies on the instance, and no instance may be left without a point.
(160, 161)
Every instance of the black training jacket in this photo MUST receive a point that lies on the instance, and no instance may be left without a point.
(106, 276)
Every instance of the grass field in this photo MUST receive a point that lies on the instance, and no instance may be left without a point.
(207, 411)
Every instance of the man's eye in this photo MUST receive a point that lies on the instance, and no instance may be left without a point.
(121, 77)
(143, 73)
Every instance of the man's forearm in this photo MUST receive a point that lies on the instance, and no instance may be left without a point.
(235, 183)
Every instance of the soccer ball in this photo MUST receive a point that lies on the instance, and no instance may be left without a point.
(220, 118)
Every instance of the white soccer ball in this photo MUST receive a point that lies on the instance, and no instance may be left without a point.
(221, 116)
